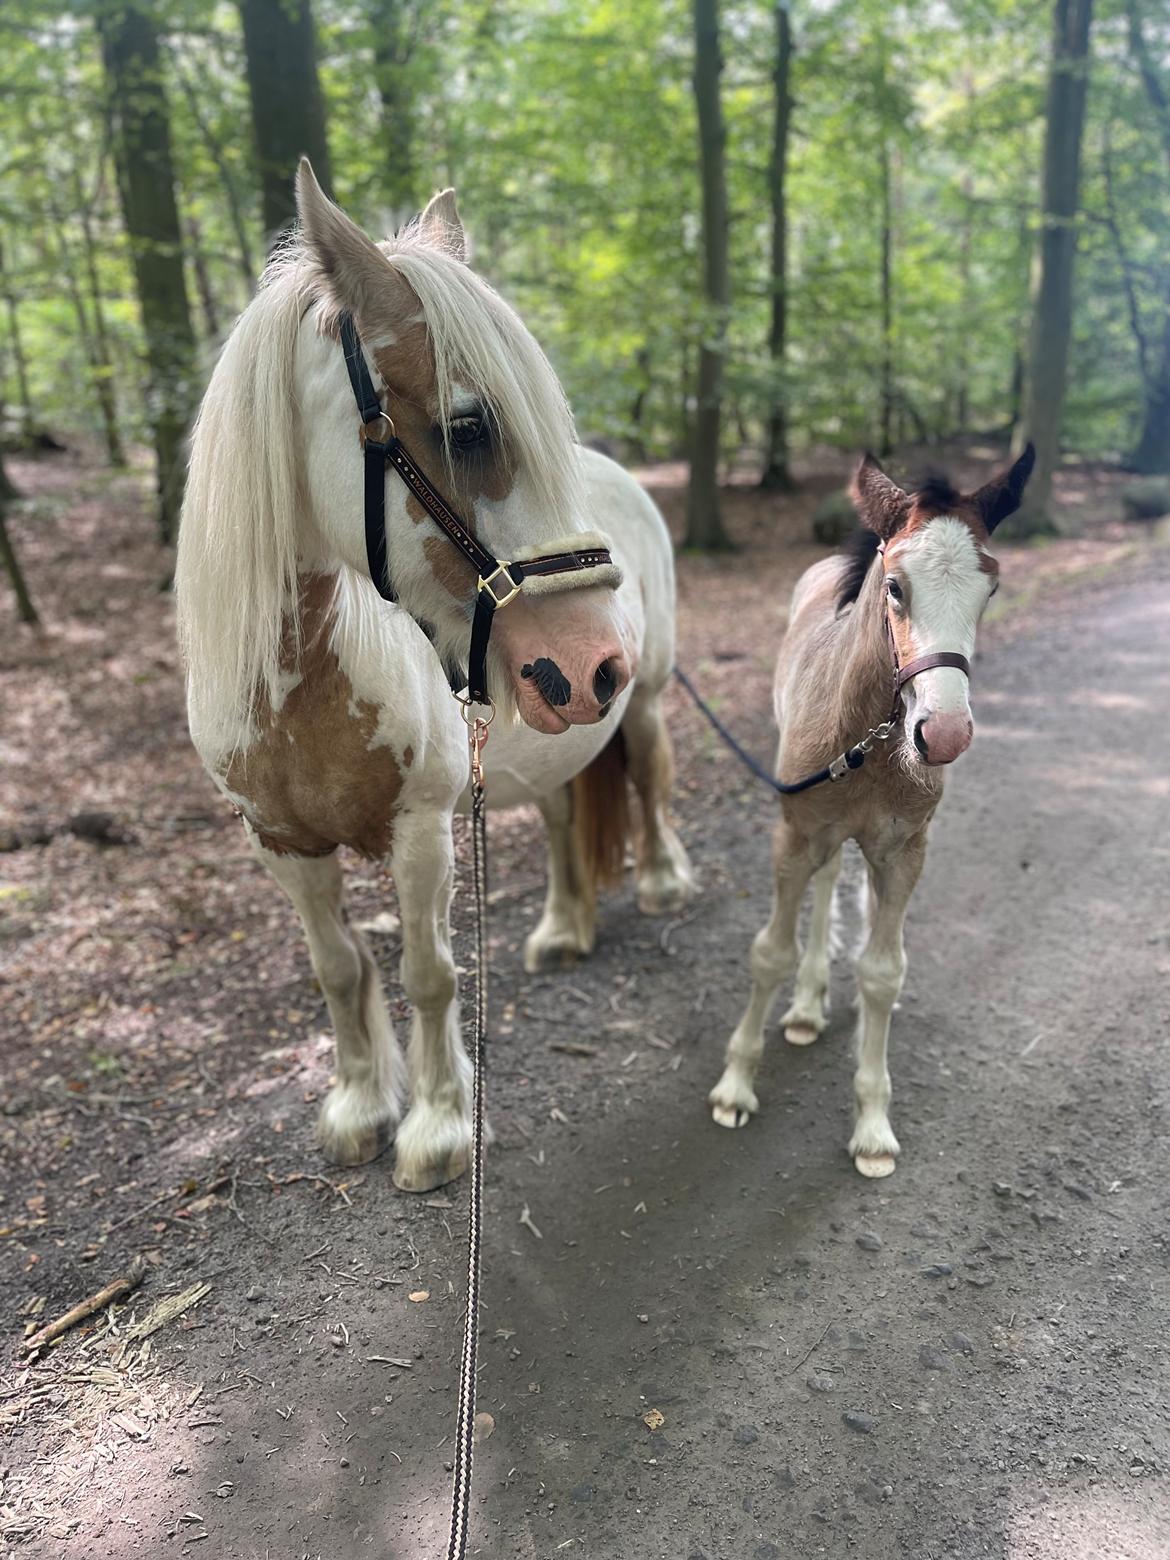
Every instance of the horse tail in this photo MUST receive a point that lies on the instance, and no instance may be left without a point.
(601, 816)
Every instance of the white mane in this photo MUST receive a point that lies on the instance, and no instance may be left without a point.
(236, 569)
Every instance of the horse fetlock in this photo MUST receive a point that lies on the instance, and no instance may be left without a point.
(733, 1101)
(433, 1146)
(560, 938)
(666, 882)
(873, 1146)
(356, 1121)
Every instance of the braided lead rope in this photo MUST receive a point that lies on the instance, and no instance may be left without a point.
(465, 1431)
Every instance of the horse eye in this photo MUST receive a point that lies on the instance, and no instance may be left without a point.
(894, 589)
(466, 432)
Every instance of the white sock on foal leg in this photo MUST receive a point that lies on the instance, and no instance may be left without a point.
(774, 954)
(880, 972)
(366, 1097)
(434, 1142)
(806, 1019)
(568, 927)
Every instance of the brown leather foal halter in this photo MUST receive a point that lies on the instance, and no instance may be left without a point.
(498, 582)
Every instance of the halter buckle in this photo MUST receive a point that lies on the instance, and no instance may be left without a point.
(383, 419)
(513, 587)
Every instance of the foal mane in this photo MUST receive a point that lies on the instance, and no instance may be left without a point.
(236, 568)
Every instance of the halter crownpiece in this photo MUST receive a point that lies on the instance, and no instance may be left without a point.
(585, 559)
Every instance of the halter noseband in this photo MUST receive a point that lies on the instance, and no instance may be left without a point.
(498, 582)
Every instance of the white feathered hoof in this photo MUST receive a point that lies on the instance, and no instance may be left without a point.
(733, 1102)
(354, 1128)
(433, 1148)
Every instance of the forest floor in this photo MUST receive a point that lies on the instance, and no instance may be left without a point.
(719, 1344)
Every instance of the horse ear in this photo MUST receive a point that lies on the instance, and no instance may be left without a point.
(359, 275)
(441, 225)
(881, 505)
(1001, 497)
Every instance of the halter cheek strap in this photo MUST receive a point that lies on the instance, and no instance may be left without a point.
(498, 583)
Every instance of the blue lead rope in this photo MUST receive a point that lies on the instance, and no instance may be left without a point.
(852, 759)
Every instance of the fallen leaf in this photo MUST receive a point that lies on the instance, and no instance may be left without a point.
(420, 1295)
(653, 1420)
(484, 1425)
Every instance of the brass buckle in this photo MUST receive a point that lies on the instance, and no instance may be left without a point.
(513, 591)
(383, 418)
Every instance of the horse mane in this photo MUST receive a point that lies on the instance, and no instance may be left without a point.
(236, 568)
(858, 553)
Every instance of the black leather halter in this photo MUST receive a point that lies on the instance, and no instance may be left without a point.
(499, 582)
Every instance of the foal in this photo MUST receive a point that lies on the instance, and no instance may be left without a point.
(915, 585)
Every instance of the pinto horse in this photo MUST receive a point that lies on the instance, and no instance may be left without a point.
(322, 710)
(893, 620)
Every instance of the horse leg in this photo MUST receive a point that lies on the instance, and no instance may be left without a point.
(568, 927)
(434, 1141)
(805, 1020)
(366, 1097)
(880, 972)
(665, 877)
(774, 954)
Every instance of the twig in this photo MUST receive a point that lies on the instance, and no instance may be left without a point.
(812, 1348)
(116, 1289)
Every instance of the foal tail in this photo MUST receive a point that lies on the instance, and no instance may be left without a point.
(601, 816)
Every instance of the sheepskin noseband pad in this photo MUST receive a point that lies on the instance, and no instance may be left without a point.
(585, 545)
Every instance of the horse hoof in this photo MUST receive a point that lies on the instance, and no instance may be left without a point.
(730, 1115)
(801, 1034)
(428, 1178)
(357, 1148)
(875, 1167)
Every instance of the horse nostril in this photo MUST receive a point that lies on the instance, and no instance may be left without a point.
(919, 739)
(604, 682)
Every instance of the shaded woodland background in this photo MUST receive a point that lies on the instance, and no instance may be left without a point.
(742, 231)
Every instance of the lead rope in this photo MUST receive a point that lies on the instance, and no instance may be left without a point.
(477, 730)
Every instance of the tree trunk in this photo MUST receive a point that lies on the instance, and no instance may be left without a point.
(392, 50)
(886, 438)
(203, 279)
(288, 110)
(101, 358)
(142, 145)
(704, 524)
(1151, 454)
(227, 181)
(1053, 295)
(776, 475)
(24, 602)
(27, 428)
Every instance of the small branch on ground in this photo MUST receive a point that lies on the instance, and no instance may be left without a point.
(116, 1289)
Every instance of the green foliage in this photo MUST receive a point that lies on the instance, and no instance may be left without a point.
(570, 135)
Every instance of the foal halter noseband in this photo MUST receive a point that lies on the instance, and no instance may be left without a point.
(498, 582)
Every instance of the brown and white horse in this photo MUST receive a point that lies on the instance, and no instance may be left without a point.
(916, 586)
(323, 712)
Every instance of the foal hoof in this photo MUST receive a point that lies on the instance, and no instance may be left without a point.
(357, 1147)
(801, 1034)
(730, 1115)
(875, 1167)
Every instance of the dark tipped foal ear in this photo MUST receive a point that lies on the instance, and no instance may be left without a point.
(881, 505)
(1001, 497)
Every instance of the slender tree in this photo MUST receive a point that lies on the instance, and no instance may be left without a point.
(395, 26)
(1051, 332)
(1152, 451)
(24, 602)
(704, 523)
(776, 474)
(16, 344)
(142, 150)
(288, 110)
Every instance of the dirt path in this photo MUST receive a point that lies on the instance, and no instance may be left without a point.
(968, 1360)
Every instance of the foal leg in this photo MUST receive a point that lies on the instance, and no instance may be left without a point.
(806, 1019)
(666, 880)
(568, 927)
(880, 972)
(434, 1142)
(774, 953)
(365, 1099)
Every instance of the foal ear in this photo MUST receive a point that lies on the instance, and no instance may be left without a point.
(881, 505)
(1001, 497)
(441, 225)
(360, 277)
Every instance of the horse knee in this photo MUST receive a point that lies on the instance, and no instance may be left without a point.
(880, 976)
(771, 962)
(429, 982)
(338, 967)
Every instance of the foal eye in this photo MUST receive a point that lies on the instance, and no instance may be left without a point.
(894, 590)
(466, 432)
